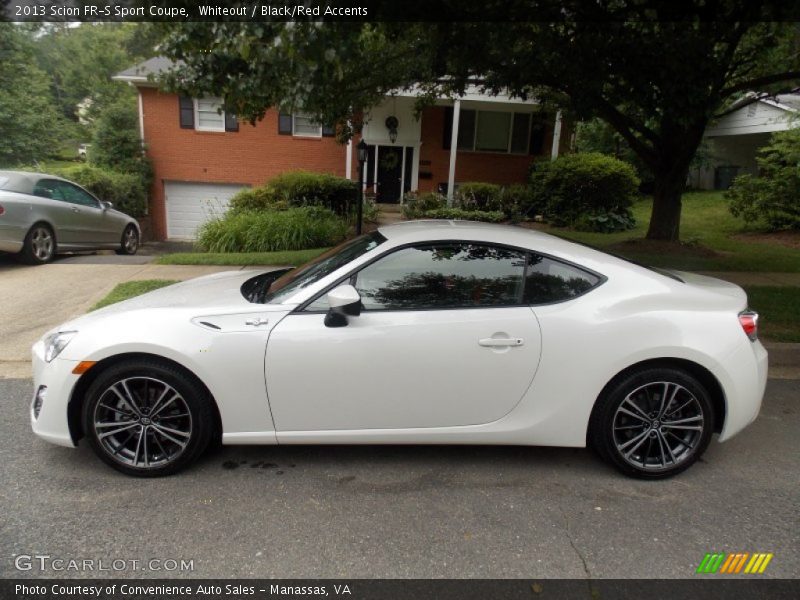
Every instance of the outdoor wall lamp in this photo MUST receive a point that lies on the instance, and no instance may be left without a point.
(391, 125)
(361, 150)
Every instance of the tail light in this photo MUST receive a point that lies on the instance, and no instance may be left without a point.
(749, 322)
(2, 210)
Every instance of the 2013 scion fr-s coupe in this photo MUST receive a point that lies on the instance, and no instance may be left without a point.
(440, 332)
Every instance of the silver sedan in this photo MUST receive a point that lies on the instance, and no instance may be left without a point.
(42, 214)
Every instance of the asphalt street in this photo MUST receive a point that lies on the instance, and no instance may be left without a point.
(361, 512)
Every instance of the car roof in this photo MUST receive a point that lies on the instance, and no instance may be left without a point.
(409, 232)
(23, 181)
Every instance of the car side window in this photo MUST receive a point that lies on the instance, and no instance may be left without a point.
(48, 188)
(548, 280)
(75, 195)
(446, 275)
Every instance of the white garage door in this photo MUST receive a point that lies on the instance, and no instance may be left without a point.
(189, 205)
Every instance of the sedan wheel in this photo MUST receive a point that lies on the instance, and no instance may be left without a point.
(653, 424)
(39, 246)
(147, 418)
(130, 241)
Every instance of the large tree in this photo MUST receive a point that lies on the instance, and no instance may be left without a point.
(656, 73)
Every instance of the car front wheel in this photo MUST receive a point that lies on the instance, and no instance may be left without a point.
(130, 241)
(147, 418)
(653, 423)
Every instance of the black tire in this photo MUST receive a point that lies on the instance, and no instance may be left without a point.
(39, 246)
(646, 423)
(155, 455)
(129, 244)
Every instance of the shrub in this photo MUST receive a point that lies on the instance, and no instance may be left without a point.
(266, 231)
(415, 204)
(579, 188)
(773, 198)
(116, 144)
(126, 191)
(300, 188)
(490, 216)
(478, 196)
(257, 198)
(517, 201)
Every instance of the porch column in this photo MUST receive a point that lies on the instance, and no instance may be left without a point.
(451, 177)
(348, 161)
(556, 137)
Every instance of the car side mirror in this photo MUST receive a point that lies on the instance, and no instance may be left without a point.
(343, 301)
(106, 205)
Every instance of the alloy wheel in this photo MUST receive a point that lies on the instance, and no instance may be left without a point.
(42, 244)
(131, 240)
(658, 426)
(142, 422)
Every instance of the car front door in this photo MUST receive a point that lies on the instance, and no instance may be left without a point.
(59, 211)
(93, 222)
(443, 340)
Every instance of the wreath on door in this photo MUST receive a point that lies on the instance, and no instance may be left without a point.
(389, 161)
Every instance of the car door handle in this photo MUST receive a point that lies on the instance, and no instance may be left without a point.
(496, 342)
(256, 322)
(75, 209)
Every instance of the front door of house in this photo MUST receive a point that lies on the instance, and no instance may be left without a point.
(390, 174)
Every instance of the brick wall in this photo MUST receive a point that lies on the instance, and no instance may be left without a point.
(250, 156)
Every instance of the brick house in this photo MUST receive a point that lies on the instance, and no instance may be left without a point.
(201, 156)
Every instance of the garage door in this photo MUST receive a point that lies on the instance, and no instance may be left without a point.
(189, 205)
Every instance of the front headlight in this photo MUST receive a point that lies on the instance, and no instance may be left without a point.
(56, 342)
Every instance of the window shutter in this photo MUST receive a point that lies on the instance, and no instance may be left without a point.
(328, 131)
(285, 124)
(186, 110)
(447, 132)
(231, 122)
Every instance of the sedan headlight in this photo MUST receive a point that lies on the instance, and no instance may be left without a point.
(56, 342)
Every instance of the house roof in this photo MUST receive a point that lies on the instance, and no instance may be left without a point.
(143, 73)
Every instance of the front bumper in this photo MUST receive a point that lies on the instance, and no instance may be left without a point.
(52, 425)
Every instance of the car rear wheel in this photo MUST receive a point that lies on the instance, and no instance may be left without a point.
(147, 418)
(653, 423)
(39, 246)
(130, 241)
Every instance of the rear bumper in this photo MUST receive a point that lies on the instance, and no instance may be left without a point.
(52, 425)
(745, 389)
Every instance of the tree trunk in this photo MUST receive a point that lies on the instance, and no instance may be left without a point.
(665, 220)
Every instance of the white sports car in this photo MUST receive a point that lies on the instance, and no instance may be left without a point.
(419, 333)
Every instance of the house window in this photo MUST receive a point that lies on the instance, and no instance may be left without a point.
(208, 115)
(304, 126)
(492, 131)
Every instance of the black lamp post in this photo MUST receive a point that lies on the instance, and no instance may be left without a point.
(362, 158)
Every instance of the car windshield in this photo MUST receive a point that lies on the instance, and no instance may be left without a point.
(325, 264)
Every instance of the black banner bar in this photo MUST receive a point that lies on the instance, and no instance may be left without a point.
(702, 588)
(379, 10)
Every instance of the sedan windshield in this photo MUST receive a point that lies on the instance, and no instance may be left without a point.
(325, 264)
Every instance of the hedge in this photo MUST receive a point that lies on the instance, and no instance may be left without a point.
(299, 188)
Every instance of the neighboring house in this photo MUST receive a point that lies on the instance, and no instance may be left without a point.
(201, 157)
(734, 140)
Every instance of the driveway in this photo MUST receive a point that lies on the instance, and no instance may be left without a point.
(36, 299)
(357, 512)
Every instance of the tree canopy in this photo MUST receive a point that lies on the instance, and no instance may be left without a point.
(656, 78)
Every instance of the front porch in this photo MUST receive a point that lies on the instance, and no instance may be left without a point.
(472, 138)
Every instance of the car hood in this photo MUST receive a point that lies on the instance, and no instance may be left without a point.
(217, 293)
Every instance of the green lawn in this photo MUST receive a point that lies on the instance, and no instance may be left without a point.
(288, 258)
(778, 309)
(129, 289)
(705, 222)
